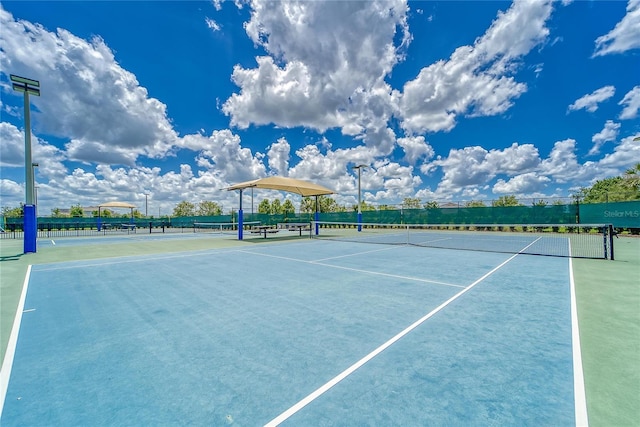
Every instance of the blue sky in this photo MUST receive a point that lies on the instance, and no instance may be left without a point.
(446, 101)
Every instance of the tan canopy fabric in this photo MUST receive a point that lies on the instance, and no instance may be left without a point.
(117, 205)
(290, 185)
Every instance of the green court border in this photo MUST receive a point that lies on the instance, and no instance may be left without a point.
(608, 298)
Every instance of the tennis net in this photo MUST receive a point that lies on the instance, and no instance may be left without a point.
(563, 240)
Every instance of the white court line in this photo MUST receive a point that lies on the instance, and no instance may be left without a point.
(127, 260)
(357, 253)
(7, 364)
(318, 392)
(375, 273)
(579, 393)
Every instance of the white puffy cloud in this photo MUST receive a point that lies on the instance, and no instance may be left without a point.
(476, 166)
(279, 154)
(590, 101)
(86, 96)
(415, 148)
(525, 183)
(626, 34)
(476, 80)
(631, 103)
(225, 156)
(10, 190)
(607, 134)
(326, 67)
(49, 158)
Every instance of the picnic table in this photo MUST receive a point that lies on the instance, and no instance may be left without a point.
(264, 229)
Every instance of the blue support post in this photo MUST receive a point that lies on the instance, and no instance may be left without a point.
(317, 218)
(30, 228)
(359, 221)
(99, 224)
(240, 219)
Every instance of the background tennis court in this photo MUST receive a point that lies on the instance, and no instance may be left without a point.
(242, 335)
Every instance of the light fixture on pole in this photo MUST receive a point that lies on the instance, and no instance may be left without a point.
(359, 167)
(28, 86)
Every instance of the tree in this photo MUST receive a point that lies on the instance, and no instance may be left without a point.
(76, 211)
(288, 208)
(432, 205)
(208, 208)
(475, 204)
(632, 178)
(8, 212)
(365, 207)
(104, 213)
(540, 203)
(613, 189)
(326, 204)
(504, 201)
(184, 208)
(56, 213)
(276, 207)
(411, 203)
(264, 207)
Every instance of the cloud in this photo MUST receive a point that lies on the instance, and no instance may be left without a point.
(49, 158)
(86, 96)
(325, 69)
(223, 154)
(476, 80)
(625, 36)
(476, 166)
(525, 183)
(607, 134)
(590, 101)
(631, 103)
(415, 148)
(279, 154)
(212, 25)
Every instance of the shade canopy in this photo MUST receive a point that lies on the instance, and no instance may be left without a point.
(290, 185)
(117, 205)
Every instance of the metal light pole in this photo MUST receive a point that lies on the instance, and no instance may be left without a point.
(28, 86)
(359, 167)
(146, 212)
(35, 187)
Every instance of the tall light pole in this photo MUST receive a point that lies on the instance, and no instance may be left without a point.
(359, 167)
(28, 86)
(35, 187)
(146, 211)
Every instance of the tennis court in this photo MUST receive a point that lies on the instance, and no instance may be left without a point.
(300, 333)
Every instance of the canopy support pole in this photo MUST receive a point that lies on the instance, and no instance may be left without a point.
(240, 219)
(317, 216)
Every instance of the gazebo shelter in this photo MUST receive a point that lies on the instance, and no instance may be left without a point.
(124, 205)
(290, 185)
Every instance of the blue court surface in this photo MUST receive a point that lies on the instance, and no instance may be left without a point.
(306, 333)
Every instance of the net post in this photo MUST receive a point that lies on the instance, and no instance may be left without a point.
(611, 232)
